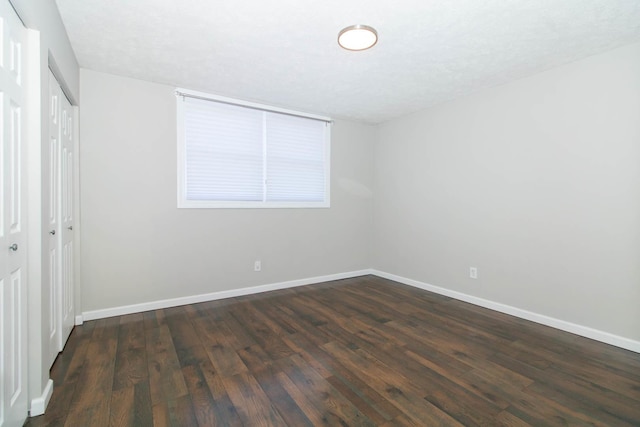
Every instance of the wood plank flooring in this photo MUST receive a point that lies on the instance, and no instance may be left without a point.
(356, 352)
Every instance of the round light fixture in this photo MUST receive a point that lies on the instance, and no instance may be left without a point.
(357, 37)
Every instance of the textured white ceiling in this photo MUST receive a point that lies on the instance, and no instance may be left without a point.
(284, 52)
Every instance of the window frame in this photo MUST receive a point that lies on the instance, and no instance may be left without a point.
(184, 203)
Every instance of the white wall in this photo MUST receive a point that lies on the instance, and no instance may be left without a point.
(138, 247)
(535, 183)
(55, 52)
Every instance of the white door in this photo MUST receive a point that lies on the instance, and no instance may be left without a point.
(13, 250)
(51, 172)
(66, 299)
(59, 170)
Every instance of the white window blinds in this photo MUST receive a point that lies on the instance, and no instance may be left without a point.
(295, 158)
(243, 156)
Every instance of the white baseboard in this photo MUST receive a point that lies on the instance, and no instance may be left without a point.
(563, 325)
(173, 302)
(39, 404)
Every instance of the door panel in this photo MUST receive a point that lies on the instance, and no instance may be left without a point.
(66, 301)
(13, 250)
(15, 169)
(53, 222)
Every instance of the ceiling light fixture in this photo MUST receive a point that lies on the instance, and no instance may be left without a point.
(357, 37)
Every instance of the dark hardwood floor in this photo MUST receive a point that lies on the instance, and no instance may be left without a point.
(356, 352)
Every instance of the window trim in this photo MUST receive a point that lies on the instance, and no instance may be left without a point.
(209, 204)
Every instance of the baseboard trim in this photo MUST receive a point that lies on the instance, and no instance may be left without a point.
(173, 302)
(563, 325)
(39, 404)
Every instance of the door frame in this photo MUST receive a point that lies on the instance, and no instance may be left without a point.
(40, 386)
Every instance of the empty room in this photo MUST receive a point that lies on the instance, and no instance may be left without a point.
(281, 213)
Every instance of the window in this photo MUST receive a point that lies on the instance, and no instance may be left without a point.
(234, 154)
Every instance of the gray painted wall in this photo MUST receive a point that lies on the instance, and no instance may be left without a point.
(536, 183)
(138, 247)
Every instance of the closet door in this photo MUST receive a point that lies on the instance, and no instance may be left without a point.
(13, 249)
(60, 171)
(66, 193)
(52, 174)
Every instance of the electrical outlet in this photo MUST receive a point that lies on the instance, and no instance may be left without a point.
(473, 272)
(257, 266)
